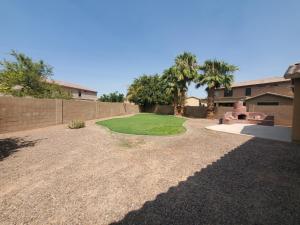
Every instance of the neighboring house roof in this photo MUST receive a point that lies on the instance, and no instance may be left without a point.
(71, 85)
(270, 93)
(193, 97)
(293, 71)
(260, 81)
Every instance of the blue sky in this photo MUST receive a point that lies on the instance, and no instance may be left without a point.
(106, 44)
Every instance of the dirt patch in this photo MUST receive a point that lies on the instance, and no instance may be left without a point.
(93, 176)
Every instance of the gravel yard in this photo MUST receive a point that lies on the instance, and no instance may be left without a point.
(56, 175)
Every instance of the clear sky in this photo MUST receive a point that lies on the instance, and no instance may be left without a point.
(106, 44)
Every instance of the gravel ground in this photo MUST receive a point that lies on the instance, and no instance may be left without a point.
(56, 175)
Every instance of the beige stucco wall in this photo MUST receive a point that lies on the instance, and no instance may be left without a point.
(270, 98)
(27, 113)
(296, 118)
(192, 101)
(283, 113)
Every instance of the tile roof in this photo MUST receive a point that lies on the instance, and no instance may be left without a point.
(260, 81)
(293, 71)
(71, 85)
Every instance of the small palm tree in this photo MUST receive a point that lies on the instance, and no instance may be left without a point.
(179, 77)
(214, 74)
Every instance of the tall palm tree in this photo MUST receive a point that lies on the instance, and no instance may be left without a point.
(215, 74)
(169, 76)
(179, 76)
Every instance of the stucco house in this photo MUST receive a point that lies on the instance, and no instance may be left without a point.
(278, 87)
(77, 91)
(273, 96)
(192, 101)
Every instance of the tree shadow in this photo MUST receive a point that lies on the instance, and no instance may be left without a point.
(256, 183)
(9, 146)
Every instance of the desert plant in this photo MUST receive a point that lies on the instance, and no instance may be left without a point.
(76, 124)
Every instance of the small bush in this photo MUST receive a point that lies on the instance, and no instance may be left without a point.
(76, 124)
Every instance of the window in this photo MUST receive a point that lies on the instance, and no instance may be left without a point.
(79, 94)
(226, 104)
(228, 93)
(267, 103)
(248, 91)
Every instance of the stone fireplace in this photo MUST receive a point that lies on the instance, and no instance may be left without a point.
(240, 115)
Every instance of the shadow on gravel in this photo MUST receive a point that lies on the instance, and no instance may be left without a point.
(10, 145)
(256, 183)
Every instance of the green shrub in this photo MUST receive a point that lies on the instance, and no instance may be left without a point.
(76, 124)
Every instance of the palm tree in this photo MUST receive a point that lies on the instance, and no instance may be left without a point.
(169, 76)
(179, 77)
(215, 74)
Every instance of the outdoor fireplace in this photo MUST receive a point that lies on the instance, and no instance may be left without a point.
(242, 117)
(239, 114)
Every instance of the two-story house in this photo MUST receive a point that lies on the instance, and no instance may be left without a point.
(77, 91)
(267, 91)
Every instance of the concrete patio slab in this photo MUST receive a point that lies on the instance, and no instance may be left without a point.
(278, 133)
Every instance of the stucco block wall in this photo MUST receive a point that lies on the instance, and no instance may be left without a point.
(76, 109)
(195, 111)
(112, 109)
(27, 113)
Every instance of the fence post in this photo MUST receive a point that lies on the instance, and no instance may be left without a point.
(59, 111)
(96, 110)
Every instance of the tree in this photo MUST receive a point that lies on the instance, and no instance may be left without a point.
(215, 74)
(23, 77)
(179, 77)
(149, 90)
(112, 97)
(172, 85)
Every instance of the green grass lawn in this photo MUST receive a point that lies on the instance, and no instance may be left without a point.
(146, 124)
